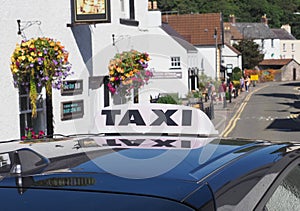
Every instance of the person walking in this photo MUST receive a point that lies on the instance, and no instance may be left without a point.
(242, 84)
(211, 90)
(221, 91)
(248, 81)
(230, 89)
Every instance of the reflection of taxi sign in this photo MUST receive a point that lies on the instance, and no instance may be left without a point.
(152, 142)
(153, 119)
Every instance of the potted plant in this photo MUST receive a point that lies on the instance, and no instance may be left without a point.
(37, 63)
(128, 71)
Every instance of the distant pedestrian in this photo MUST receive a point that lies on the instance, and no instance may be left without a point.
(247, 83)
(211, 90)
(230, 89)
(242, 84)
(222, 91)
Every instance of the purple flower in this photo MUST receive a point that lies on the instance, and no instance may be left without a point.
(55, 62)
(31, 65)
(45, 51)
(40, 61)
(46, 78)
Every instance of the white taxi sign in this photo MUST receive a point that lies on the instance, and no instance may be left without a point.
(153, 119)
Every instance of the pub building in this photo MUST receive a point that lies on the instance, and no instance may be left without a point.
(93, 32)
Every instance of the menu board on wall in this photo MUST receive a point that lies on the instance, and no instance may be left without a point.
(72, 110)
(93, 11)
(72, 87)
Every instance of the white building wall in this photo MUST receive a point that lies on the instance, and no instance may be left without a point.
(271, 51)
(290, 49)
(207, 60)
(230, 57)
(90, 49)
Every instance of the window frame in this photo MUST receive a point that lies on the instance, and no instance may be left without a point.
(25, 114)
(284, 47)
(131, 20)
(176, 63)
(293, 47)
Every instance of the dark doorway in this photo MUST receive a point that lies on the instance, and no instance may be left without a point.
(294, 74)
(106, 91)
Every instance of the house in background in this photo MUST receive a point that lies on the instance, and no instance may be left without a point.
(289, 69)
(231, 58)
(205, 32)
(260, 33)
(289, 45)
(194, 67)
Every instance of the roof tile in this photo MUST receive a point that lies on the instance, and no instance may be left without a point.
(198, 29)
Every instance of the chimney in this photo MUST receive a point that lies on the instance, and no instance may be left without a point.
(232, 18)
(286, 27)
(264, 19)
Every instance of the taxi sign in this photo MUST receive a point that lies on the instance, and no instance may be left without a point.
(153, 119)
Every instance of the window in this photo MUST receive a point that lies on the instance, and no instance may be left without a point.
(175, 62)
(293, 47)
(131, 20)
(26, 120)
(283, 47)
(272, 43)
(287, 194)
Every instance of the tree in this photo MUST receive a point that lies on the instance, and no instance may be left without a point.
(251, 55)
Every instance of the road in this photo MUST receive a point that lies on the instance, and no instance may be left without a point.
(270, 111)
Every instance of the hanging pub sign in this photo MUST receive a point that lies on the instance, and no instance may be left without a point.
(72, 110)
(91, 11)
(72, 87)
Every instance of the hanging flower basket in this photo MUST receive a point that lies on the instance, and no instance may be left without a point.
(127, 71)
(37, 63)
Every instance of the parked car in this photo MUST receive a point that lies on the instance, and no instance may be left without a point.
(126, 169)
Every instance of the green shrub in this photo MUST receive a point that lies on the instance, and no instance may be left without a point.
(167, 100)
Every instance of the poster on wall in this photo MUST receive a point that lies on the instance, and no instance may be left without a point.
(91, 11)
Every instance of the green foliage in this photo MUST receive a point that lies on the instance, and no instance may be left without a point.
(279, 12)
(236, 74)
(250, 53)
(168, 99)
(203, 80)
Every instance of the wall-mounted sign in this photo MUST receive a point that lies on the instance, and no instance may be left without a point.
(229, 68)
(72, 87)
(72, 110)
(91, 11)
(167, 75)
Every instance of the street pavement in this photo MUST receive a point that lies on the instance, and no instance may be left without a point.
(224, 112)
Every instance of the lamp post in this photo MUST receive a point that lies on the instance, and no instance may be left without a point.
(216, 46)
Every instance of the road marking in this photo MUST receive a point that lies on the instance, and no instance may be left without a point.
(232, 123)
